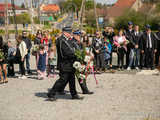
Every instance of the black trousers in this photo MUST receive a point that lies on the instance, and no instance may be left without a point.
(65, 77)
(142, 60)
(110, 60)
(149, 57)
(121, 53)
(11, 68)
(83, 86)
(99, 60)
(157, 57)
(127, 54)
(22, 68)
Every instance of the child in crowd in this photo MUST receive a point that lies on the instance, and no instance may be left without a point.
(108, 49)
(41, 62)
(52, 61)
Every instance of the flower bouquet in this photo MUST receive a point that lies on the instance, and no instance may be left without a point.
(1, 55)
(80, 71)
(83, 65)
(35, 49)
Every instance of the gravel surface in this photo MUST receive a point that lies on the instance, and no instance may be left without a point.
(120, 96)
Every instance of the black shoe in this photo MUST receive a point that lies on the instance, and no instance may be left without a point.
(51, 97)
(61, 93)
(77, 97)
(29, 72)
(88, 92)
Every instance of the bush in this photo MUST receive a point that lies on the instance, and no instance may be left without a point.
(136, 17)
(21, 19)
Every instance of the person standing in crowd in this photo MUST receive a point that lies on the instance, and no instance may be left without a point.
(128, 34)
(98, 48)
(109, 34)
(52, 60)
(108, 49)
(45, 39)
(38, 38)
(20, 55)
(157, 55)
(135, 51)
(121, 42)
(149, 47)
(67, 72)
(11, 59)
(41, 63)
(29, 46)
(78, 46)
(3, 62)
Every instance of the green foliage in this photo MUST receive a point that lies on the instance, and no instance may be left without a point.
(137, 18)
(2, 32)
(36, 20)
(21, 19)
(90, 19)
(80, 55)
(1, 55)
(22, 5)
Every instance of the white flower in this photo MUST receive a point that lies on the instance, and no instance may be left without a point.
(87, 58)
(76, 65)
(82, 68)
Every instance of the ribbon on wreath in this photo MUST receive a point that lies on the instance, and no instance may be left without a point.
(92, 68)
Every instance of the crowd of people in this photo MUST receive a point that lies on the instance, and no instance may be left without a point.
(135, 49)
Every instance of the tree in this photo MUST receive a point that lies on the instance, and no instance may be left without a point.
(22, 5)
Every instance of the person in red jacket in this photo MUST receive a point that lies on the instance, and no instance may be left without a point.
(45, 39)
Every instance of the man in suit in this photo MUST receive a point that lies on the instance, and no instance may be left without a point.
(78, 46)
(67, 72)
(149, 47)
(128, 34)
(135, 51)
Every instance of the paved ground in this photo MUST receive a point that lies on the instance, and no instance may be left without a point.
(117, 97)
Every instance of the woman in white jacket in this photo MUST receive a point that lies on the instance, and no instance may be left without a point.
(21, 52)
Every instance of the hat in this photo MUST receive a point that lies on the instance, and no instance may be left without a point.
(77, 32)
(130, 23)
(148, 26)
(67, 29)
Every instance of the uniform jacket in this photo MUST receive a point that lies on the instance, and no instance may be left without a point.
(66, 54)
(144, 40)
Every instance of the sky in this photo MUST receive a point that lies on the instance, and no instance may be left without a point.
(101, 1)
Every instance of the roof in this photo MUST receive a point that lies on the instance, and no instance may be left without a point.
(119, 8)
(50, 8)
(2, 7)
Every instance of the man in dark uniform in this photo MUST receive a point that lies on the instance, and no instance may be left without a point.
(78, 45)
(128, 34)
(149, 47)
(67, 72)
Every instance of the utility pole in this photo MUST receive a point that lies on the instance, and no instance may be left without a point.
(82, 12)
(95, 12)
(31, 13)
(6, 21)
